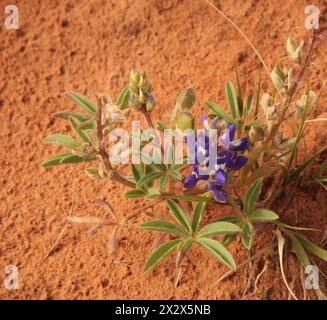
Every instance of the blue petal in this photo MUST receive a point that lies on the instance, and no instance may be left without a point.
(190, 181)
(220, 196)
(232, 129)
(220, 177)
(236, 163)
(239, 144)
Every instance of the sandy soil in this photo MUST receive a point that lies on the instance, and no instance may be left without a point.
(90, 46)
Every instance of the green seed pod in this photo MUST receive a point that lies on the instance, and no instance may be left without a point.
(184, 120)
(186, 99)
(134, 81)
(278, 78)
(294, 50)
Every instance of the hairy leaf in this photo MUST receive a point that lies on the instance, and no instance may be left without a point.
(219, 251)
(160, 253)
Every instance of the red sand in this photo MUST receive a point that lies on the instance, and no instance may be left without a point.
(90, 46)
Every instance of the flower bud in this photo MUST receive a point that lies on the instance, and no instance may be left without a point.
(305, 99)
(150, 103)
(134, 81)
(184, 120)
(278, 78)
(140, 91)
(186, 99)
(294, 50)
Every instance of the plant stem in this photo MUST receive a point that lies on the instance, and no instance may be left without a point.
(112, 173)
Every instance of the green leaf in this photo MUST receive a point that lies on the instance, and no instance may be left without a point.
(153, 192)
(73, 158)
(217, 228)
(197, 215)
(219, 111)
(319, 252)
(134, 194)
(160, 253)
(249, 103)
(149, 178)
(231, 219)
(54, 160)
(228, 239)
(176, 175)
(189, 197)
(300, 130)
(162, 183)
(185, 247)
(63, 140)
(219, 251)
(247, 236)
(82, 134)
(71, 114)
(179, 214)
(299, 251)
(82, 101)
(232, 99)
(263, 215)
(136, 171)
(163, 226)
(123, 99)
(252, 196)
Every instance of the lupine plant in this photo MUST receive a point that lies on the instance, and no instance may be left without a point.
(255, 160)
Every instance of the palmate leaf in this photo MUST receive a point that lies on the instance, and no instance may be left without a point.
(219, 251)
(63, 140)
(232, 99)
(149, 178)
(83, 102)
(179, 215)
(160, 253)
(197, 215)
(163, 226)
(217, 228)
(252, 196)
(219, 111)
(66, 158)
(263, 215)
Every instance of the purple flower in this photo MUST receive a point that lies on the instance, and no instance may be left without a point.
(229, 147)
(227, 157)
(217, 186)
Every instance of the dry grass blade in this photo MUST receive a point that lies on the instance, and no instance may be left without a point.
(242, 34)
(112, 240)
(89, 220)
(107, 206)
(178, 277)
(61, 234)
(253, 258)
(123, 263)
(281, 244)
